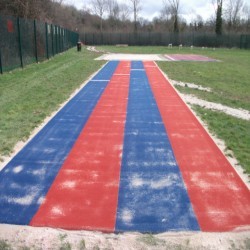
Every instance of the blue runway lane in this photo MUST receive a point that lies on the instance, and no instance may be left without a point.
(152, 195)
(25, 181)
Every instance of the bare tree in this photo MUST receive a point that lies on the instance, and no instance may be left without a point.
(172, 7)
(232, 13)
(246, 18)
(136, 5)
(57, 1)
(113, 14)
(165, 12)
(26, 8)
(124, 12)
(198, 23)
(99, 7)
(113, 9)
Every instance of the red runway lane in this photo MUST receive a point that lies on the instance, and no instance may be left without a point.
(84, 195)
(220, 199)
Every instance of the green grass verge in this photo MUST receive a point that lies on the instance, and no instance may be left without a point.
(28, 96)
(234, 132)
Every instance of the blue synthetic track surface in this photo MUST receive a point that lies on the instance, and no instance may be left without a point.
(25, 181)
(152, 194)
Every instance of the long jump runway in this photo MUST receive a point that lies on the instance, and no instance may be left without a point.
(125, 154)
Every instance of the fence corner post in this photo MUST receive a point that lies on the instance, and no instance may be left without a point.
(52, 39)
(20, 41)
(1, 65)
(35, 39)
(47, 41)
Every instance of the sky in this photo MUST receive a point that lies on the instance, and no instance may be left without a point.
(151, 8)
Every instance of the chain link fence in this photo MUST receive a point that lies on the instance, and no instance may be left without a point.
(245, 42)
(24, 41)
(164, 39)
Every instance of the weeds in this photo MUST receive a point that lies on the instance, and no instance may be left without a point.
(64, 245)
(245, 245)
(4, 245)
(82, 245)
(151, 240)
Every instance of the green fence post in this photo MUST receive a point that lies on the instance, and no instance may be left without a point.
(59, 39)
(52, 38)
(47, 41)
(62, 39)
(35, 39)
(1, 66)
(19, 41)
(241, 38)
(56, 36)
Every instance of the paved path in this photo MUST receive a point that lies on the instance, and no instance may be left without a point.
(125, 154)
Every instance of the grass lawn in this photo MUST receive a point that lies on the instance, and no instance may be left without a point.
(28, 96)
(235, 132)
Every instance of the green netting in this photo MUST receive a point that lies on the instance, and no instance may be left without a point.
(9, 44)
(41, 41)
(24, 41)
(245, 42)
(27, 40)
(164, 39)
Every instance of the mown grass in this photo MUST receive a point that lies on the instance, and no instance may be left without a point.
(234, 132)
(28, 96)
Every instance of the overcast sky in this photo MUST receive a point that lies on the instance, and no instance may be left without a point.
(151, 8)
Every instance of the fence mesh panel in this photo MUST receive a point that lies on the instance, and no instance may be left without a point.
(164, 39)
(24, 41)
(245, 42)
(27, 40)
(9, 44)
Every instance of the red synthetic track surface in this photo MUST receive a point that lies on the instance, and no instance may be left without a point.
(84, 195)
(220, 199)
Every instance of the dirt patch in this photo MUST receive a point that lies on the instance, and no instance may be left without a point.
(190, 85)
(238, 113)
(93, 49)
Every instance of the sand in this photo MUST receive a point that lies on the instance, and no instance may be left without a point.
(48, 238)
